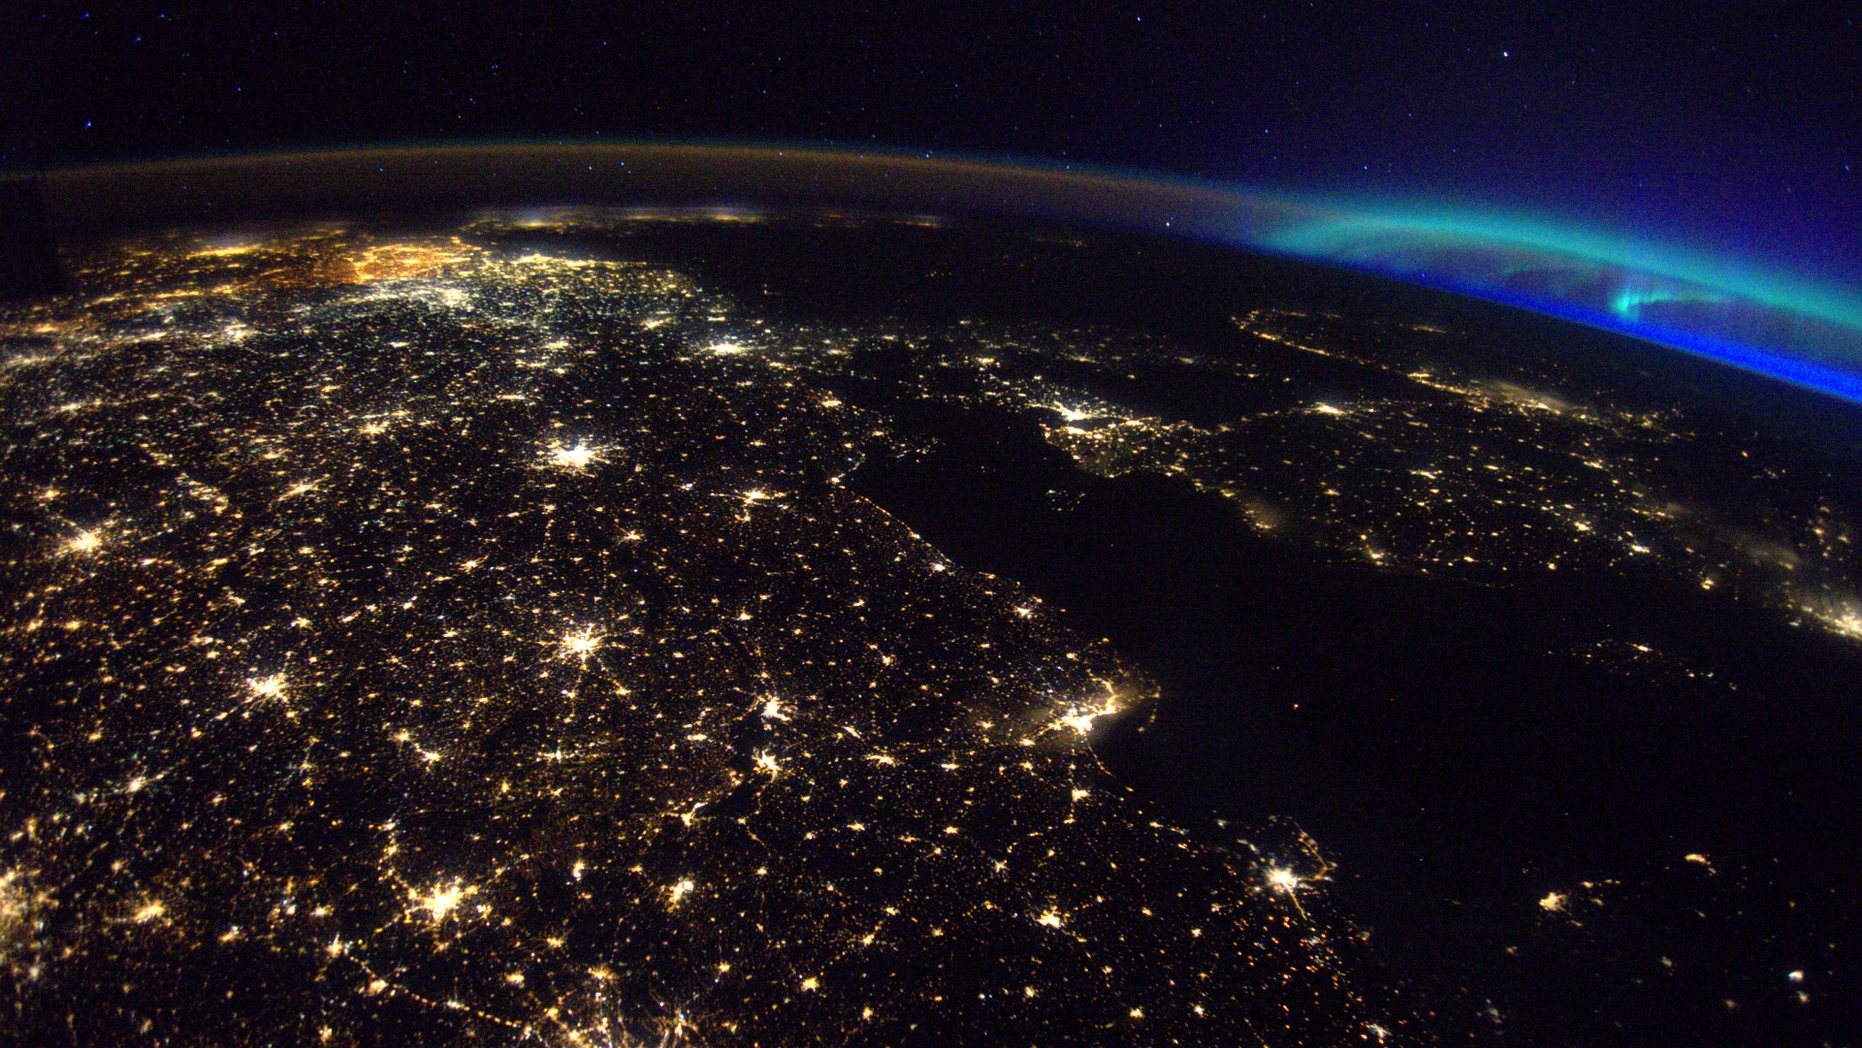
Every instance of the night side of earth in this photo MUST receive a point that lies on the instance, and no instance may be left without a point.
(808, 626)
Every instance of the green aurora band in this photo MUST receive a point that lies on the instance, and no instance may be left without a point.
(1748, 318)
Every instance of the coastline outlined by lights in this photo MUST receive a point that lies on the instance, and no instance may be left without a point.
(1720, 309)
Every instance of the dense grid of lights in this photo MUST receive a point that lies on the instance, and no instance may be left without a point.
(409, 641)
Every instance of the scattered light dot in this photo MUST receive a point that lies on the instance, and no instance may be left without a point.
(84, 542)
(679, 891)
(440, 900)
(577, 457)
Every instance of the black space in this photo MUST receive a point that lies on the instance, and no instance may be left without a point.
(1729, 128)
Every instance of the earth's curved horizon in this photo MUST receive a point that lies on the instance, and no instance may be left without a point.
(1722, 309)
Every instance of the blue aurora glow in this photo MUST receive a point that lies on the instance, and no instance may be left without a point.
(1749, 317)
